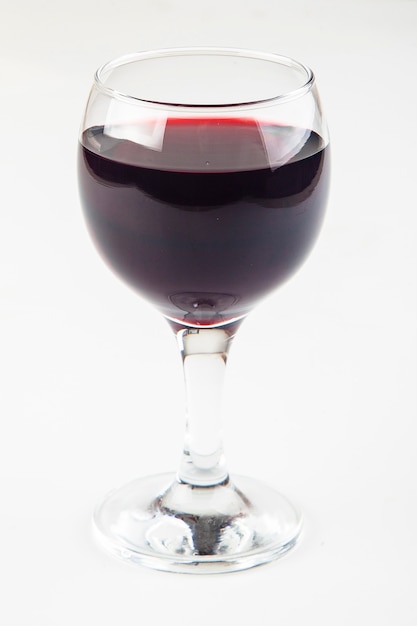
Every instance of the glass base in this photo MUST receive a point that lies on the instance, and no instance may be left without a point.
(168, 525)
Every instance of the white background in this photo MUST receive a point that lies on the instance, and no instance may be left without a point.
(321, 388)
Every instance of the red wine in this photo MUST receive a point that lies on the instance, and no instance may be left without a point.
(203, 217)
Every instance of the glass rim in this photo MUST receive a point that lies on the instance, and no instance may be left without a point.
(287, 61)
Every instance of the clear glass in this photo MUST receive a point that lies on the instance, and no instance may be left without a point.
(203, 176)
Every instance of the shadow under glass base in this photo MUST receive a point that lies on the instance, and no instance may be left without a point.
(168, 525)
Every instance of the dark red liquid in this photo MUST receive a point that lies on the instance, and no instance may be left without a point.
(211, 217)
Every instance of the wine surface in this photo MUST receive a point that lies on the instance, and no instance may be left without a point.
(203, 217)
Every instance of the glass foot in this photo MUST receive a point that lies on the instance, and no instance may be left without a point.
(168, 525)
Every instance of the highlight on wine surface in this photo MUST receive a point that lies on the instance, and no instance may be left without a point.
(203, 177)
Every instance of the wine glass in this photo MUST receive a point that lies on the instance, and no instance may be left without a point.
(203, 176)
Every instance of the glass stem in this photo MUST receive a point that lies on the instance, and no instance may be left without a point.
(204, 356)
